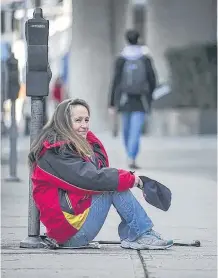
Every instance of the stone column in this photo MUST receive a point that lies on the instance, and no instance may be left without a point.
(121, 20)
(97, 36)
(90, 58)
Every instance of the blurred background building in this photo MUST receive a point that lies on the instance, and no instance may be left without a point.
(13, 16)
(87, 35)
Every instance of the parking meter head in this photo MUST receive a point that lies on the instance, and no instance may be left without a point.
(37, 32)
(37, 84)
(36, 29)
(38, 13)
(37, 73)
(13, 85)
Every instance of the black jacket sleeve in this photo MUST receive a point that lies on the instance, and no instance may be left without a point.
(151, 77)
(116, 80)
(73, 169)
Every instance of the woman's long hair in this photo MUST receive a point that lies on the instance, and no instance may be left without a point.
(60, 128)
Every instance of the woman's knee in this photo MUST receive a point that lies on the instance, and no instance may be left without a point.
(127, 194)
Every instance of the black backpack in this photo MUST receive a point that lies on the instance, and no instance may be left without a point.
(133, 78)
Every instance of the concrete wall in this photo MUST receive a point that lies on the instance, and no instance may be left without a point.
(176, 23)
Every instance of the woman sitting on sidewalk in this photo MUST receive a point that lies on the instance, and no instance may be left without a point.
(74, 187)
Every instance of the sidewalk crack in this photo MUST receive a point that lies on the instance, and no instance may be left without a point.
(146, 275)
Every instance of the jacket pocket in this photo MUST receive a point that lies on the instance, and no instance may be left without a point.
(65, 202)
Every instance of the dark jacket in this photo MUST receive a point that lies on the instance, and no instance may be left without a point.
(134, 103)
(64, 182)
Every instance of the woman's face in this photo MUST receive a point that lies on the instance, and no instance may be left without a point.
(80, 119)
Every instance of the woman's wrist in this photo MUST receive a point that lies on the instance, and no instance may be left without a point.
(138, 182)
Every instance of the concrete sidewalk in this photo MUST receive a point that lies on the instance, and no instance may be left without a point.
(186, 165)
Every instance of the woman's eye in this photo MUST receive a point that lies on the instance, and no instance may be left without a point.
(87, 120)
(78, 120)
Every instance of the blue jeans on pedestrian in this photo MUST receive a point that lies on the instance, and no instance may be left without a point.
(134, 220)
(132, 123)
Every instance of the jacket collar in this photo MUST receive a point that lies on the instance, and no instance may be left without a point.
(91, 138)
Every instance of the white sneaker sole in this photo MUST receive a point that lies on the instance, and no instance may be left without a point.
(137, 246)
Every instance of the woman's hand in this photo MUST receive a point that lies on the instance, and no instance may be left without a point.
(138, 182)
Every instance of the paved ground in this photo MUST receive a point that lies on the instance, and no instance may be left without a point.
(186, 165)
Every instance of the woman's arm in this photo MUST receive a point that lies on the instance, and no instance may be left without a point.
(150, 75)
(75, 172)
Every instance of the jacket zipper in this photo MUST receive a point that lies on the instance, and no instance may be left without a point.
(68, 200)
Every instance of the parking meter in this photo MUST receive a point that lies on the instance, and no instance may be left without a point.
(12, 90)
(12, 78)
(38, 74)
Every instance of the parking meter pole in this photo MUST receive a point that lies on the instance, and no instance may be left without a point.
(36, 126)
(45, 111)
(38, 77)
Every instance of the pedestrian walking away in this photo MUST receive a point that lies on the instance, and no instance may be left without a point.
(133, 84)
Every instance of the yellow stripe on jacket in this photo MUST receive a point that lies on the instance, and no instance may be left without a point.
(76, 220)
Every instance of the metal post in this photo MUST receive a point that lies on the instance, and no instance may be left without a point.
(13, 146)
(33, 240)
(37, 118)
(45, 110)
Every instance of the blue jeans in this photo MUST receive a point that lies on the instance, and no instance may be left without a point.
(134, 220)
(132, 123)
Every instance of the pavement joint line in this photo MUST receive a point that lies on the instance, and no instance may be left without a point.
(146, 275)
(114, 254)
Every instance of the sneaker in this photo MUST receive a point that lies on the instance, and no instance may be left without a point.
(150, 241)
(132, 165)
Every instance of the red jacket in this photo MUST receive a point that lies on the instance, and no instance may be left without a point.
(64, 182)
